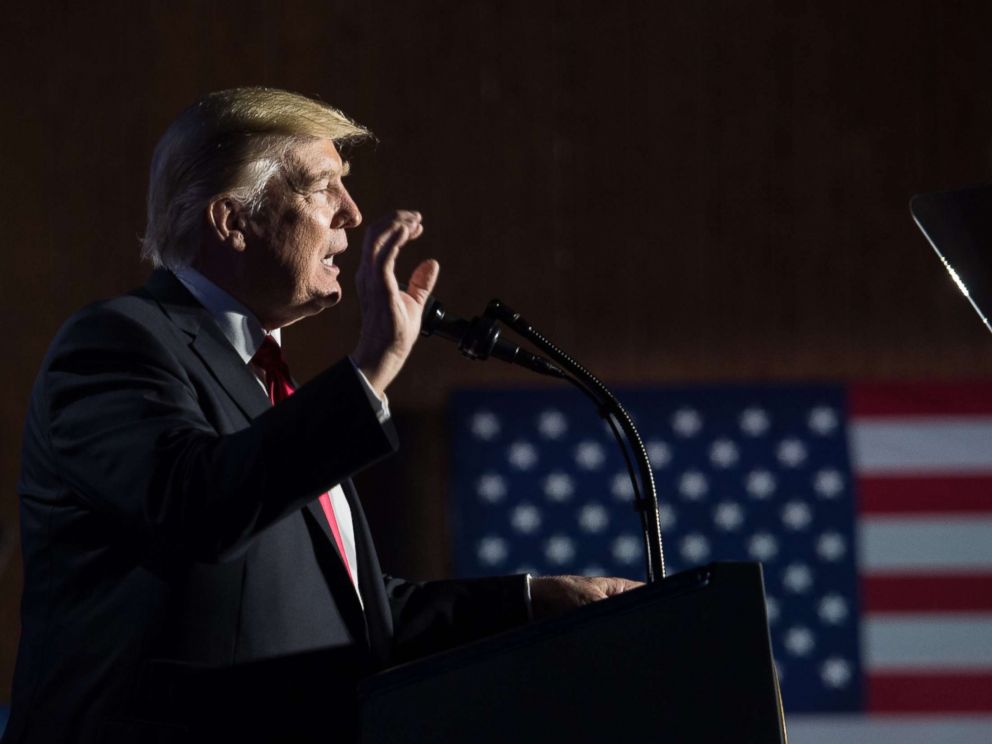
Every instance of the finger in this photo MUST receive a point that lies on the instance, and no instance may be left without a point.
(619, 586)
(413, 221)
(607, 586)
(386, 259)
(382, 230)
(423, 279)
(368, 276)
(395, 230)
(414, 229)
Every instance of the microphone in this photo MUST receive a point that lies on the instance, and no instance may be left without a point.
(479, 338)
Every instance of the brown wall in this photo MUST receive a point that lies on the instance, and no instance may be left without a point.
(674, 191)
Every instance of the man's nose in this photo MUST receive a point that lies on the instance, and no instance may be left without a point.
(348, 215)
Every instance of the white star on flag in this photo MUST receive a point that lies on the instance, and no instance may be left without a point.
(754, 421)
(760, 484)
(593, 518)
(492, 550)
(728, 515)
(693, 485)
(659, 453)
(695, 548)
(835, 672)
(687, 422)
(552, 424)
(832, 609)
(491, 487)
(797, 578)
(522, 455)
(559, 549)
(828, 483)
(791, 453)
(799, 641)
(525, 518)
(772, 609)
(831, 546)
(589, 455)
(723, 453)
(666, 516)
(621, 487)
(485, 425)
(796, 515)
(628, 549)
(823, 420)
(762, 546)
(558, 486)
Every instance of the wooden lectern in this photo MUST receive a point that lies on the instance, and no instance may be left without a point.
(687, 659)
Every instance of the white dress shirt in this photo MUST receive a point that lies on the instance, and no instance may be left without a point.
(245, 333)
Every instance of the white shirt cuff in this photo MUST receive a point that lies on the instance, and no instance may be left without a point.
(382, 412)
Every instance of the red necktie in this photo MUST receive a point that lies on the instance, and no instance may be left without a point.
(269, 359)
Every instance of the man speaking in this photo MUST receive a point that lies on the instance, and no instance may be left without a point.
(181, 499)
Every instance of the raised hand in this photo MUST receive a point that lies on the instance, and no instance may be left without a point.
(390, 315)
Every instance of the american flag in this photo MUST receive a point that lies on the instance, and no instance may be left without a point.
(869, 506)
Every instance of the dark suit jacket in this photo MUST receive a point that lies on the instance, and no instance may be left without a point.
(169, 512)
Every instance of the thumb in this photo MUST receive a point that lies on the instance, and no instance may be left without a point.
(423, 279)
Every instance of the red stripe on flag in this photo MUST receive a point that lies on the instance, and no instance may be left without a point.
(945, 493)
(938, 692)
(931, 593)
(919, 399)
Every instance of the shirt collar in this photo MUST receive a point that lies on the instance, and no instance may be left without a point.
(238, 324)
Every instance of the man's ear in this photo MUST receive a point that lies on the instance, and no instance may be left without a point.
(226, 222)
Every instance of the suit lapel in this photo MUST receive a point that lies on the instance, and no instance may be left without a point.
(230, 371)
(209, 343)
(378, 616)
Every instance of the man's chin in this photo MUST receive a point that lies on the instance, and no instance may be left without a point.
(323, 301)
(312, 307)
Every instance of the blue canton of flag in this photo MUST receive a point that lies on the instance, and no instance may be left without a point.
(755, 473)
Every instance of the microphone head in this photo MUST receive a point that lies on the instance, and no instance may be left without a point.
(433, 316)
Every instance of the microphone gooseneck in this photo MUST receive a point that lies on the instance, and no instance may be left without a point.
(479, 339)
(610, 409)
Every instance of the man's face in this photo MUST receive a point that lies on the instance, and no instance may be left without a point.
(291, 246)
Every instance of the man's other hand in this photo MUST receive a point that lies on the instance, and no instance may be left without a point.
(552, 595)
(390, 315)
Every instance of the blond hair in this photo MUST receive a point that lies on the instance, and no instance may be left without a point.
(229, 142)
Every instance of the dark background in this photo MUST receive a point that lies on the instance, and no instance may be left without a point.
(673, 191)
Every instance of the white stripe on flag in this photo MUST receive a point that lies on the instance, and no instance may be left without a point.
(927, 641)
(924, 545)
(921, 445)
(901, 729)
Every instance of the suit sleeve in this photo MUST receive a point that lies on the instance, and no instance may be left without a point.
(435, 615)
(130, 439)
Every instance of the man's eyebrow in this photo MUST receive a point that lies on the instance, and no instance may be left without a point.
(328, 172)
